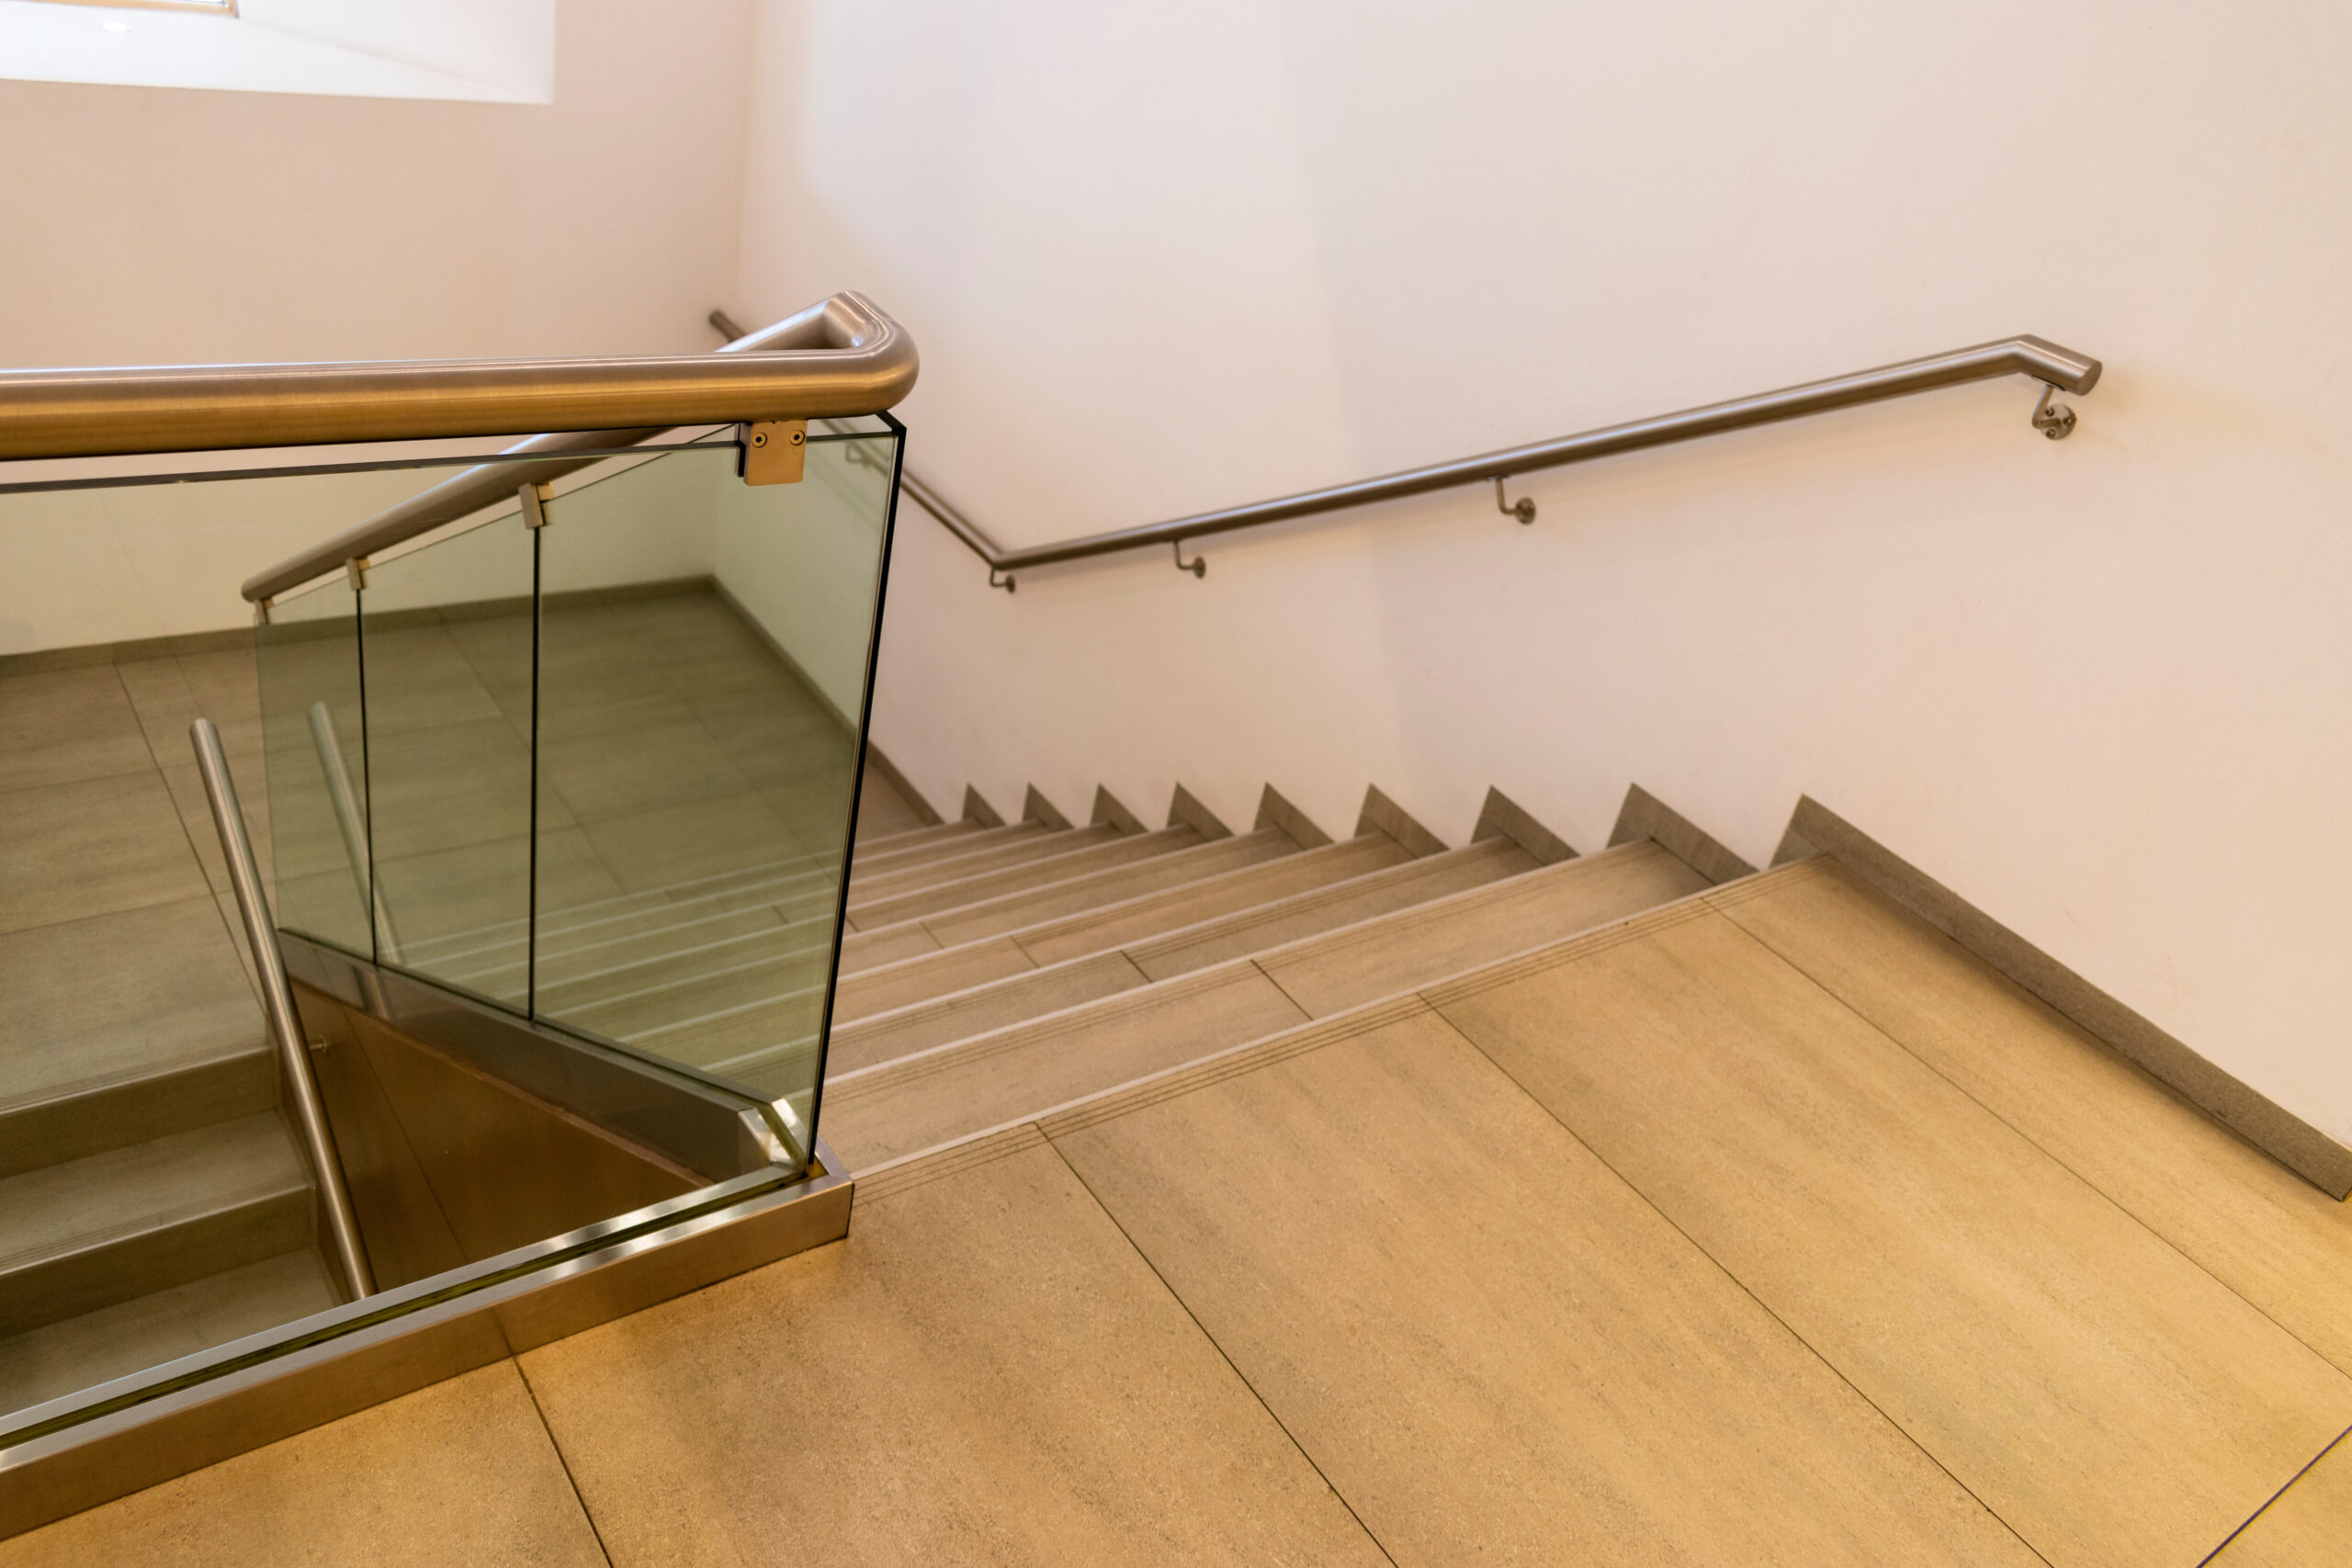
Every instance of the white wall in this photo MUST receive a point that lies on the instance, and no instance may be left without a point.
(159, 226)
(1163, 257)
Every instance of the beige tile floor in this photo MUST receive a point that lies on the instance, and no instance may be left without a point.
(1651, 1248)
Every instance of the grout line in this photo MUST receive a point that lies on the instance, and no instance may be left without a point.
(560, 1458)
(2029, 1139)
(2273, 1498)
(1742, 1285)
(1279, 1424)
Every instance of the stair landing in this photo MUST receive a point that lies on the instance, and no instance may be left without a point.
(1765, 1227)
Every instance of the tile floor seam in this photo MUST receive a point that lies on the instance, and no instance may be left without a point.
(564, 1461)
(2051, 1154)
(2268, 1503)
(1740, 1285)
(1272, 1414)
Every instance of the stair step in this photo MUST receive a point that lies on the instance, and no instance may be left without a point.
(875, 860)
(87, 1234)
(1041, 844)
(131, 1336)
(653, 907)
(891, 843)
(1078, 894)
(912, 1103)
(776, 979)
(887, 907)
(684, 969)
(994, 1004)
(873, 982)
(1447, 873)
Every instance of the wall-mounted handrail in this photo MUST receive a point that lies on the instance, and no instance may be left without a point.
(794, 369)
(2058, 369)
(277, 1001)
(845, 357)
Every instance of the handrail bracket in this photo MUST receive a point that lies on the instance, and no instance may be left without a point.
(2053, 419)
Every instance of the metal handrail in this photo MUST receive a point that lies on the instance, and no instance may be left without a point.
(2058, 369)
(797, 368)
(278, 1002)
(845, 357)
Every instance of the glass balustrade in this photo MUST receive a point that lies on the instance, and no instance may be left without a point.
(592, 780)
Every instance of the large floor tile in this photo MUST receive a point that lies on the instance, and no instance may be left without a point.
(2264, 1232)
(1491, 1346)
(452, 785)
(71, 850)
(2107, 1397)
(661, 762)
(462, 1472)
(418, 678)
(95, 999)
(2308, 1525)
(170, 692)
(64, 724)
(983, 1372)
(683, 843)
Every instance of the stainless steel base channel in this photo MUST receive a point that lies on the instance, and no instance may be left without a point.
(117, 1437)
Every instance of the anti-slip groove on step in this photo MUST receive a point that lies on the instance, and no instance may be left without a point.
(919, 1099)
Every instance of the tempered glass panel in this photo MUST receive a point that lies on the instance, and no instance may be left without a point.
(446, 636)
(704, 651)
(314, 761)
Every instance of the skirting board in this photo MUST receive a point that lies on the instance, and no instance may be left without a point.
(1645, 816)
(925, 813)
(2302, 1148)
(1109, 807)
(1184, 807)
(1503, 817)
(1391, 818)
(1274, 811)
(41, 660)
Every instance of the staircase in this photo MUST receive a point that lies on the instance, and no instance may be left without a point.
(153, 1202)
(989, 973)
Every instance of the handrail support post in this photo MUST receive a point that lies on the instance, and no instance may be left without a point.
(278, 1002)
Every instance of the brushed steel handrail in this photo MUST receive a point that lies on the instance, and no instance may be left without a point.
(2057, 369)
(310, 1116)
(845, 357)
(792, 370)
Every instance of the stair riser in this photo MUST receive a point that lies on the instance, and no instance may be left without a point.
(124, 1268)
(870, 863)
(52, 1131)
(908, 906)
(962, 868)
(1021, 910)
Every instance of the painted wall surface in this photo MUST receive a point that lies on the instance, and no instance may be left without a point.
(159, 226)
(1162, 257)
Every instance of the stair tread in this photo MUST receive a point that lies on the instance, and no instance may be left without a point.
(1101, 849)
(911, 837)
(88, 1202)
(75, 1016)
(875, 859)
(59, 1358)
(996, 1003)
(1415, 882)
(865, 954)
(912, 1103)
(1091, 890)
(1029, 841)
